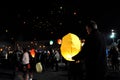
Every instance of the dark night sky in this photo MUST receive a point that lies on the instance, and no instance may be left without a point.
(54, 18)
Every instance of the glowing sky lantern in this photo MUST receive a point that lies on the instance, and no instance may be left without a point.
(39, 67)
(71, 46)
(32, 52)
(59, 41)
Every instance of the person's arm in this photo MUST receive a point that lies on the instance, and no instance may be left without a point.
(23, 58)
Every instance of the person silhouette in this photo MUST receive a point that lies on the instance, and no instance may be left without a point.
(93, 53)
(113, 54)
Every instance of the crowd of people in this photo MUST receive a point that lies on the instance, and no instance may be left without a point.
(27, 63)
(90, 63)
(25, 60)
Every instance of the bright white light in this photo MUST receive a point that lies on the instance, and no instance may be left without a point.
(61, 7)
(112, 30)
(6, 30)
(112, 35)
(51, 42)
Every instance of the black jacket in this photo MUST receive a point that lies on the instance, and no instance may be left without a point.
(94, 54)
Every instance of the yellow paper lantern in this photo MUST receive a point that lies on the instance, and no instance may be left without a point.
(39, 67)
(71, 46)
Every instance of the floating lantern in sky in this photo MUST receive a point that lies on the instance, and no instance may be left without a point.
(71, 46)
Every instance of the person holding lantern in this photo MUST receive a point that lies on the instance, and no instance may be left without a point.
(93, 53)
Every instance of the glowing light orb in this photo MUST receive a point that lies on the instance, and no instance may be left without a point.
(59, 41)
(39, 67)
(32, 52)
(71, 46)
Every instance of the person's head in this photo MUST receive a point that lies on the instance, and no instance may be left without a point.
(90, 26)
(24, 49)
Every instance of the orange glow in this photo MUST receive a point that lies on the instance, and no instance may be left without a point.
(32, 52)
(59, 41)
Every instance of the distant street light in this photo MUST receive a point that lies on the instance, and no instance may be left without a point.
(112, 36)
